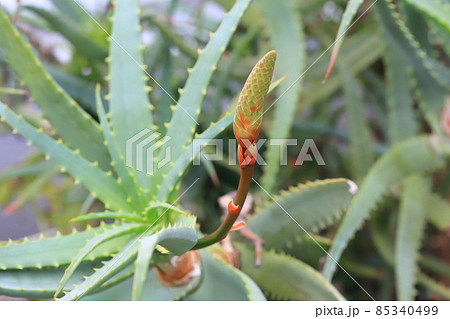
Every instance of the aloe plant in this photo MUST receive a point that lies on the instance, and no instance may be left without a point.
(149, 227)
(386, 128)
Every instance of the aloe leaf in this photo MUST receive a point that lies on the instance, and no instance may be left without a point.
(80, 89)
(307, 249)
(402, 123)
(393, 24)
(70, 122)
(347, 17)
(115, 281)
(286, 35)
(430, 94)
(127, 179)
(411, 224)
(69, 29)
(117, 231)
(40, 283)
(419, 25)
(439, 212)
(431, 98)
(89, 174)
(130, 108)
(53, 251)
(361, 142)
(182, 125)
(129, 217)
(413, 156)
(435, 10)
(178, 240)
(142, 262)
(254, 293)
(215, 274)
(282, 277)
(110, 268)
(277, 222)
(163, 112)
(153, 290)
(154, 205)
(72, 10)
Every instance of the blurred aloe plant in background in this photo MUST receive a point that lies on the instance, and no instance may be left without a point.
(381, 119)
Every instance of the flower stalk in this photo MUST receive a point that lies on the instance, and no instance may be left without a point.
(246, 127)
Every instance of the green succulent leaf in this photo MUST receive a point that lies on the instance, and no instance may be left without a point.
(40, 283)
(110, 268)
(89, 174)
(153, 289)
(428, 72)
(305, 205)
(396, 27)
(282, 277)
(80, 89)
(361, 142)
(439, 212)
(94, 242)
(431, 98)
(402, 122)
(127, 177)
(411, 225)
(413, 156)
(129, 217)
(72, 10)
(130, 108)
(436, 10)
(307, 249)
(234, 285)
(71, 123)
(177, 240)
(53, 251)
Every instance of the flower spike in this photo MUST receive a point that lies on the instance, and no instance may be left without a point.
(246, 127)
(248, 117)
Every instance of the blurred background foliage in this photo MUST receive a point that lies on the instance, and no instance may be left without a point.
(381, 91)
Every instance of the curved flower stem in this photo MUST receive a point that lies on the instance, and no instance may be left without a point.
(241, 194)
